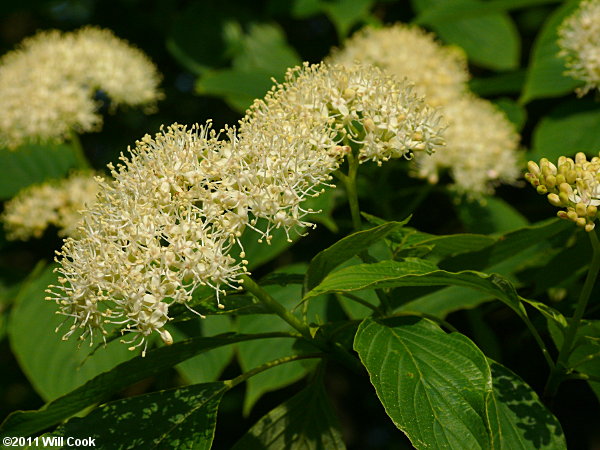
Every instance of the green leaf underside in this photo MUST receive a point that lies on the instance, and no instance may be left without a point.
(545, 76)
(390, 274)
(31, 164)
(182, 418)
(433, 385)
(305, 421)
(518, 419)
(344, 249)
(53, 366)
(24, 423)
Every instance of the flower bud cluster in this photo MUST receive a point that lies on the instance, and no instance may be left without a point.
(53, 203)
(579, 41)
(178, 204)
(571, 184)
(48, 83)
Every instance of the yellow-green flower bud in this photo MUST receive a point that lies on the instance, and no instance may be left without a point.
(592, 211)
(560, 179)
(580, 158)
(541, 189)
(566, 188)
(589, 226)
(533, 168)
(571, 176)
(572, 215)
(550, 181)
(580, 209)
(554, 200)
(581, 222)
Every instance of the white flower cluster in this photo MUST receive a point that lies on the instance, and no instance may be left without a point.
(579, 40)
(58, 203)
(47, 85)
(177, 207)
(481, 148)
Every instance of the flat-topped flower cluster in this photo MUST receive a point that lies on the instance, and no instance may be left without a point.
(177, 206)
(56, 75)
(482, 144)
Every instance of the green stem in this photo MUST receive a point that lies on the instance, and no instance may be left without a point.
(82, 161)
(558, 374)
(357, 299)
(350, 186)
(338, 351)
(583, 376)
(265, 298)
(277, 362)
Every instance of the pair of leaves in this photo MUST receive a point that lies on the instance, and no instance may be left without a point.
(442, 392)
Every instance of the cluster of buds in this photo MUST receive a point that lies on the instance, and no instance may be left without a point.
(573, 185)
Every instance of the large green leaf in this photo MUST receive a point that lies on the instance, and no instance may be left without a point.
(518, 419)
(433, 385)
(53, 366)
(489, 38)
(390, 274)
(305, 421)
(545, 76)
(32, 164)
(100, 388)
(177, 418)
(344, 249)
(254, 354)
(570, 128)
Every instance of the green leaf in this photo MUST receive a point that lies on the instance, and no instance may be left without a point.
(501, 84)
(515, 112)
(346, 13)
(508, 245)
(518, 419)
(391, 274)
(261, 54)
(490, 39)
(569, 128)
(176, 418)
(545, 76)
(198, 35)
(305, 421)
(254, 354)
(100, 388)
(449, 245)
(433, 385)
(454, 10)
(494, 215)
(209, 365)
(31, 164)
(344, 249)
(53, 366)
